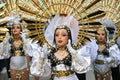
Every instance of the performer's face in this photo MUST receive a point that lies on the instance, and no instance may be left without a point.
(101, 35)
(61, 37)
(16, 29)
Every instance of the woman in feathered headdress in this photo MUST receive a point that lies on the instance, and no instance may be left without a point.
(112, 28)
(103, 56)
(61, 61)
(16, 47)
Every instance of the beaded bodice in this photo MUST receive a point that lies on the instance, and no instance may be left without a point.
(16, 51)
(55, 61)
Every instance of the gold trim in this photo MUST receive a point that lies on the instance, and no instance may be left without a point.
(17, 54)
(62, 73)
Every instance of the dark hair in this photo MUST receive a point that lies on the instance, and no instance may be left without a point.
(67, 29)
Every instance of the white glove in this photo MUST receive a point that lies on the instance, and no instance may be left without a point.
(110, 59)
(70, 47)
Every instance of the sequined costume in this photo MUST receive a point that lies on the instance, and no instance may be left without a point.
(18, 55)
(100, 63)
(61, 69)
(38, 12)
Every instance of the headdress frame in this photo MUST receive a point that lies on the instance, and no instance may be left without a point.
(15, 20)
(58, 22)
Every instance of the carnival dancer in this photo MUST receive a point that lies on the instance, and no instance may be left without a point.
(16, 47)
(103, 56)
(61, 61)
(111, 27)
